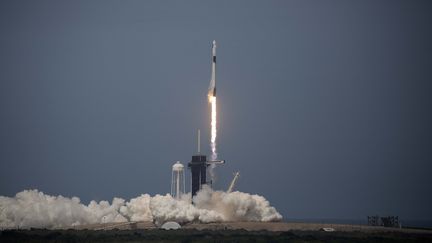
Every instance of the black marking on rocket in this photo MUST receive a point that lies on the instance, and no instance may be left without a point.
(214, 59)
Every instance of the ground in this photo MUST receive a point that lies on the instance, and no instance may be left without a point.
(219, 232)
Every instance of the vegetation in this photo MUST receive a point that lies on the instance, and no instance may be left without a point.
(106, 236)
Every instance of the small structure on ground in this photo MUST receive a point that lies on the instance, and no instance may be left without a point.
(170, 225)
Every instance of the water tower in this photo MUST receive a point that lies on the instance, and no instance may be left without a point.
(178, 180)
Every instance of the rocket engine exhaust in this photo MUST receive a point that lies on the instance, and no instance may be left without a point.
(212, 100)
(213, 124)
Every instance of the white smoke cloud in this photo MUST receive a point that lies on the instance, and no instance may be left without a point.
(31, 208)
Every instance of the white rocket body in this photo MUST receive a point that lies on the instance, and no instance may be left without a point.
(212, 87)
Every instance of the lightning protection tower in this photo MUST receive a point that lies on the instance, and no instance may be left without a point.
(178, 180)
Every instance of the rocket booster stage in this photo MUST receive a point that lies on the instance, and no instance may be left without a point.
(212, 87)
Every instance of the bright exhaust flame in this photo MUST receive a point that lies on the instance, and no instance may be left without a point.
(212, 100)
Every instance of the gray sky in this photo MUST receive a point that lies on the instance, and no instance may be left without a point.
(324, 106)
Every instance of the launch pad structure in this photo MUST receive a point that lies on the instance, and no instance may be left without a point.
(198, 167)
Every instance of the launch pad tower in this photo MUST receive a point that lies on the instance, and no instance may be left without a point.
(198, 167)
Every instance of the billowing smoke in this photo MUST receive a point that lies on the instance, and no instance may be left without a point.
(31, 208)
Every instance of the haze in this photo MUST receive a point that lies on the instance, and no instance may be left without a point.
(324, 106)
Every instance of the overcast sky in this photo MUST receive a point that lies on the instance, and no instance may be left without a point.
(324, 106)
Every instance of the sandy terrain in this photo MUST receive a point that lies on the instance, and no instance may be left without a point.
(254, 226)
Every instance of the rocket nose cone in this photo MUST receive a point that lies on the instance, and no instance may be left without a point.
(214, 42)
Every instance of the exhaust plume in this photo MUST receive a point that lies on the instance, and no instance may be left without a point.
(32, 208)
(212, 100)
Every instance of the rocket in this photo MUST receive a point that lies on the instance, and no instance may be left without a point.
(212, 87)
